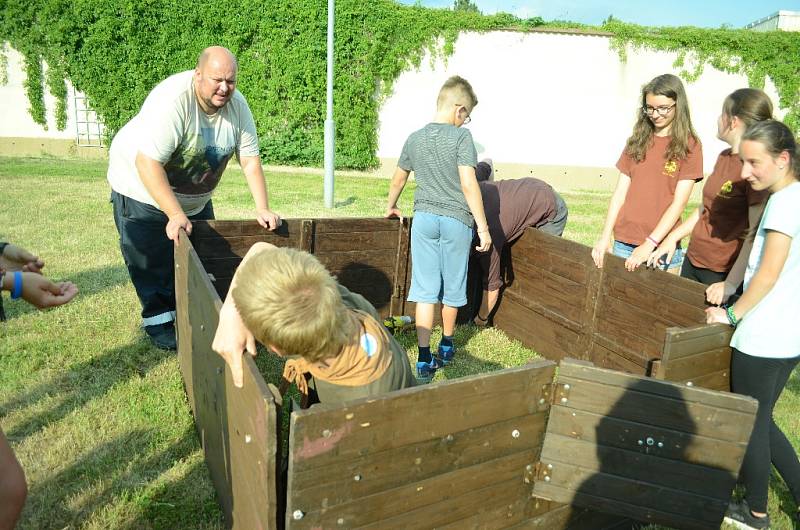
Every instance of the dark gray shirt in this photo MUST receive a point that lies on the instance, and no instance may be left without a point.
(434, 153)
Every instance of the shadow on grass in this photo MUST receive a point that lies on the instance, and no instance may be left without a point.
(118, 470)
(82, 383)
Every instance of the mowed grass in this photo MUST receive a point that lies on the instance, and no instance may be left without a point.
(99, 418)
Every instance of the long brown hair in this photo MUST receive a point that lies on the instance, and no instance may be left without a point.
(682, 131)
(750, 105)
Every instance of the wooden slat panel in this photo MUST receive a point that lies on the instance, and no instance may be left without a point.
(602, 448)
(380, 259)
(555, 293)
(670, 285)
(238, 428)
(237, 246)
(693, 449)
(539, 333)
(692, 366)
(400, 282)
(604, 357)
(345, 225)
(441, 499)
(466, 435)
(655, 303)
(372, 240)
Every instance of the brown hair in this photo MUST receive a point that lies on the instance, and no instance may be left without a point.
(457, 90)
(776, 138)
(749, 105)
(682, 131)
(289, 300)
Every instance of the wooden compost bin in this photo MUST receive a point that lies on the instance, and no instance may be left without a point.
(516, 448)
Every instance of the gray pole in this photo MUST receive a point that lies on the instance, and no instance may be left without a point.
(330, 144)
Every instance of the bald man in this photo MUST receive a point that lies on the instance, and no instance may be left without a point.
(164, 165)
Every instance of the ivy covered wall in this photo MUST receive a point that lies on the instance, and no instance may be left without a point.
(115, 51)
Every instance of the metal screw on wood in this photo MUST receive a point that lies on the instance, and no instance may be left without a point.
(564, 400)
(515, 433)
(641, 442)
(357, 478)
(650, 441)
(202, 327)
(547, 479)
(529, 467)
(541, 401)
(566, 386)
(340, 521)
(689, 383)
(660, 445)
(248, 438)
(220, 370)
(297, 515)
(326, 433)
(549, 466)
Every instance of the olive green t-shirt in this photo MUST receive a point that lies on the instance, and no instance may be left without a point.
(398, 375)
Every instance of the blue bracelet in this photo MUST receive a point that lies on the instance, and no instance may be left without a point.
(17, 291)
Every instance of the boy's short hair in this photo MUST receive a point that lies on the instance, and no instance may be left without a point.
(287, 299)
(458, 91)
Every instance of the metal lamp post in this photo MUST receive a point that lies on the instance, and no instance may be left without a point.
(330, 146)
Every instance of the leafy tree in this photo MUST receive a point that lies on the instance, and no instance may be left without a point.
(465, 5)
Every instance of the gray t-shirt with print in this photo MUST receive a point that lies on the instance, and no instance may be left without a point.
(434, 153)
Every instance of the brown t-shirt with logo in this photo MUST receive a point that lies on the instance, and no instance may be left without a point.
(717, 236)
(511, 206)
(652, 187)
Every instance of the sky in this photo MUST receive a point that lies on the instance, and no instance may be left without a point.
(702, 13)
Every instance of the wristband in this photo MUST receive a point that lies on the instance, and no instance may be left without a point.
(17, 291)
(653, 241)
(732, 320)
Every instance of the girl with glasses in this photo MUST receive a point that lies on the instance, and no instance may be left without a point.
(718, 250)
(658, 167)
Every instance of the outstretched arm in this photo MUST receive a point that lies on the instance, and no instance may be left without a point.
(472, 193)
(603, 244)
(154, 178)
(232, 337)
(254, 173)
(399, 180)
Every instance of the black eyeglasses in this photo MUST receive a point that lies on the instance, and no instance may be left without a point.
(661, 111)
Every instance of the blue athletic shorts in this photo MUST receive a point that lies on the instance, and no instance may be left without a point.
(440, 247)
(624, 250)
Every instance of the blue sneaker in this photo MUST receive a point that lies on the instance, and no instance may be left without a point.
(426, 371)
(446, 354)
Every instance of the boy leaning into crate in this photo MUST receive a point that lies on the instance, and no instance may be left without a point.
(289, 302)
(446, 203)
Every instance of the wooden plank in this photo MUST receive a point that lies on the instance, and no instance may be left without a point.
(691, 366)
(237, 246)
(325, 433)
(347, 225)
(558, 317)
(371, 240)
(670, 285)
(679, 342)
(593, 428)
(620, 358)
(539, 288)
(634, 510)
(306, 240)
(238, 428)
(535, 257)
(627, 445)
(379, 259)
(401, 279)
(438, 498)
(226, 229)
(360, 461)
(656, 303)
(622, 346)
(384, 470)
(537, 332)
(719, 381)
(632, 462)
(632, 325)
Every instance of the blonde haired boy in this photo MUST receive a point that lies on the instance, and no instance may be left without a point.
(447, 203)
(287, 300)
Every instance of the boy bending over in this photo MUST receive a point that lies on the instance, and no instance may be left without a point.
(287, 300)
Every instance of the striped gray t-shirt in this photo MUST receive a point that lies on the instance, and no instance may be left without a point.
(434, 153)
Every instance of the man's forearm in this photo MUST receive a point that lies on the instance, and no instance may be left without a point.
(155, 181)
(254, 174)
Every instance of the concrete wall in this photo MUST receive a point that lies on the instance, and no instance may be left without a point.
(555, 105)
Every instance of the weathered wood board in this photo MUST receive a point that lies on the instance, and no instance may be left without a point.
(697, 356)
(238, 428)
(660, 452)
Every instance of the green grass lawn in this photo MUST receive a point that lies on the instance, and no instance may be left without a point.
(97, 417)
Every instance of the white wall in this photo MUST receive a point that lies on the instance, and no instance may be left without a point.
(549, 98)
(14, 106)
